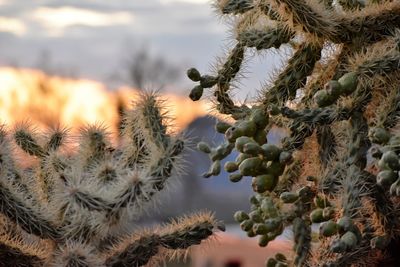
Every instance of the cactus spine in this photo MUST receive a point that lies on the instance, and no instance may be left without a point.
(338, 98)
(76, 207)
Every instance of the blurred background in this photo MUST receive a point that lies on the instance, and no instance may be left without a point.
(75, 62)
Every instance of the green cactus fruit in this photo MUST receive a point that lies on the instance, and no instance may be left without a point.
(222, 127)
(323, 99)
(349, 82)
(263, 183)
(306, 194)
(274, 168)
(338, 246)
(333, 88)
(386, 178)
(248, 128)
(263, 240)
(376, 152)
(241, 157)
(285, 157)
(349, 239)
(233, 133)
(272, 224)
(268, 208)
(281, 264)
(235, 177)
(288, 197)
(380, 242)
(251, 233)
(271, 152)
(321, 201)
(259, 117)
(241, 141)
(230, 166)
(204, 147)
(316, 216)
(328, 213)
(271, 262)
(196, 93)
(250, 166)
(260, 137)
(254, 200)
(328, 228)
(260, 229)
(256, 216)
(215, 168)
(345, 224)
(207, 81)
(379, 135)
(391, 159)
(193, 74)
(252, 149)
(246, 225)
(240, 216)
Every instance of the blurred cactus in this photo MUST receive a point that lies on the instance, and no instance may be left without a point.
(338, 98)
(75, 208)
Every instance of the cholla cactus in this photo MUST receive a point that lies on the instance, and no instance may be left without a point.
(338, 97)
(75, 209)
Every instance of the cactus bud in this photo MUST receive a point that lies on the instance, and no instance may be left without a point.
(271, 262)
(241, 141)
(196, 93)
(240, 216)
(379, 135)
(328, 228)
(252, 149)
(345, 224)
(193, 74)
(215, 168)
(349, 239)
(288, 197)
(262, 183)
(316, 216)
(255, 216)
(250, 166)
(285, 157)
(271, 152)
(204, 147)
(259, 117)
(380, 242)
(391, 159)
(349, 82)
(246, 225)
(230, 166)
(222, 127)
(323, 99)
(333, 88)
(207, 81)
(235, 177)
(386, 178)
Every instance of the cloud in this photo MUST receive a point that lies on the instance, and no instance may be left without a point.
(13, 26)
(56, 20)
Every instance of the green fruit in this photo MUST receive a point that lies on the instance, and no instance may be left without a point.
(271, 262)
(386, 178)
(328, 213)
(215, 168)
(376, 152)
(328, 228)
(333, 88)
(275, 168)
(263, 241)
(203, 147)
(395, 188)
(391, 159)
(241, 141)
(246, 225)
(207, 81)
(289, 197)
(256, 216)
(306, 193)
(254, 200)
(222, 127)
(349, 82)
(380, 242)
(281, 264)
(241, 157)
(263, 183)
(240, 216)
(268, 208)
(259, 117)
(274, 110)
(248, 128)
(321, 201)
(193, 74)
(338, 246)
(379, 135)
(285, 158)
(260, 137)
(250, 233)
(235, 177)
(196, 93)
(323, 99)
(233, 133)
(250, 166)
(252, 149)
(345, 224)
(272, 224)
(316, 216)
(271, 152)
(230, 166)
(260, 229)
(350, 240)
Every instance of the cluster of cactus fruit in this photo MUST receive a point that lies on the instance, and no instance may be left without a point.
(337, 102)
(76, 207)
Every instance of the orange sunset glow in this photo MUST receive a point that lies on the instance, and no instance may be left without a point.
(30, 95)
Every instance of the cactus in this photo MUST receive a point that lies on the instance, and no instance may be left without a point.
(338, 100)
(75, 207)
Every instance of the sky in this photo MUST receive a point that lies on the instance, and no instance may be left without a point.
(95, 38)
